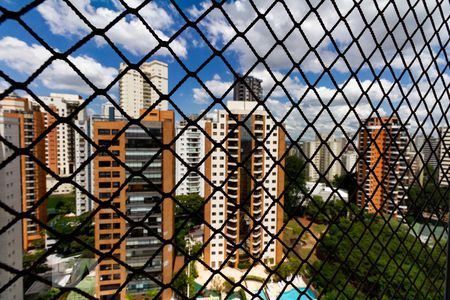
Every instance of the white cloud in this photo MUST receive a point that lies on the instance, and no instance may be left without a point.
(217, 87)
(129, 32)
(241, 13)
(325, 107)
(25, 59)
(21, 57)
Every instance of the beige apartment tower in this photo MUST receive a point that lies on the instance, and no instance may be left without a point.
(136, 93)
(244, 214)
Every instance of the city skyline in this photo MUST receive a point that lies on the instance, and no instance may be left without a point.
(165, 150)
(101, 63)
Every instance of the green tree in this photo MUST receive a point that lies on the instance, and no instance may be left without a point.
(295, 180)
(30, 257)
(346, 182)
(151, 294)
(51, 294)
(189, 204)
(430, 199)
(184, 220)
(380, 264)
(66, 226)
(183, 281)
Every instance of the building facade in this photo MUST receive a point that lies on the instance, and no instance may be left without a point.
(240, 209)
(382, 166)
(444, 156)
(135, 91)
(425, 158)
(83, 202)
(60, 142)
(323, 157)
(10, 195)
(139, 200)
(32, 175)
(350, 160)
(190, 146)
(241, 92)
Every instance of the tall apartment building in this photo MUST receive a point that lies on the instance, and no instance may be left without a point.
(349, 160)
(312, 151)
(10, 195)
(429, 150)
(136, 93)
(60, 142)
(321, 156)
(32, 177)
(242, 93)
(444, 156)
(139, 200)
(83, 203)
(242, 236)
(382, 167)
(425, 157)
(190, 146)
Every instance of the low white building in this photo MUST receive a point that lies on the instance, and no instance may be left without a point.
(326, 192)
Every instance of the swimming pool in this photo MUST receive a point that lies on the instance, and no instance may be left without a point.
(293, 295)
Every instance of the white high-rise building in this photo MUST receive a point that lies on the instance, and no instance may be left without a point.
(85, 176)
(108, 109)
(349, 159)
(136, 93)
(10, 195)
(331, 156)
(190, 146)
(312, 153)
(241, 196)
(322, 157)
(60, 142)
(444, 148)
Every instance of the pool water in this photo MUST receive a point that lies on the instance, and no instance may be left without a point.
(293, 295)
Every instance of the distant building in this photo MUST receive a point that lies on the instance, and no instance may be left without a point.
(83, 203)
(295, 150)
(108, 109)
(324, 157)
(140, 199)
(60, 141)
(32, 175)
(313, 159)
(444, 157)
(10, 195)
(429, 150)
(135, 91)
(349, 160)
(425, 156)
(241, 197)
(382, 167)
(326, 192)
(190, 146)
(252, 92)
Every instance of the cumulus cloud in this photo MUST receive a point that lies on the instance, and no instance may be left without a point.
(217, 87)
(351, 102)
(313, 28)
(25, 59)
(129, 32)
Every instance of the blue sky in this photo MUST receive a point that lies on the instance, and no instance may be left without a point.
(55, 22)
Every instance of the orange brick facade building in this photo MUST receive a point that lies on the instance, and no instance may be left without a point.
(33, 182)
(382, 169)
(140, 200)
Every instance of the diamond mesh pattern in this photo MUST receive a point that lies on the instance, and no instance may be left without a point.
(385, 78)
